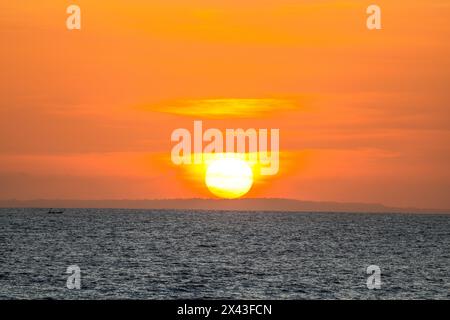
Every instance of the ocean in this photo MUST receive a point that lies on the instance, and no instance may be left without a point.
(164, 254)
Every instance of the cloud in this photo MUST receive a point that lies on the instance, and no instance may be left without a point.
(229, 108)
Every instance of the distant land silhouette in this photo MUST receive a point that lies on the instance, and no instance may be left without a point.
(251, 204)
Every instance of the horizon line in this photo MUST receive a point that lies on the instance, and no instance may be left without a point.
(378, 207)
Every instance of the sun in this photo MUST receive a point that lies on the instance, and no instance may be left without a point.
(229, 178)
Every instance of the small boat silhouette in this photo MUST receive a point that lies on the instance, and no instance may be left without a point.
(55, 211)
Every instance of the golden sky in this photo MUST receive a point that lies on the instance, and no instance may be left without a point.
(363, 115)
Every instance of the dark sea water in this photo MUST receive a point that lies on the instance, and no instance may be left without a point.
(144, 254)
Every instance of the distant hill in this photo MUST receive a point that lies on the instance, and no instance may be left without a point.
(257, 204)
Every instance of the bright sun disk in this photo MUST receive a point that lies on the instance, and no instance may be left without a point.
(229, 178)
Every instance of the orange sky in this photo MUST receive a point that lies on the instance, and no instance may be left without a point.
(363, 115)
